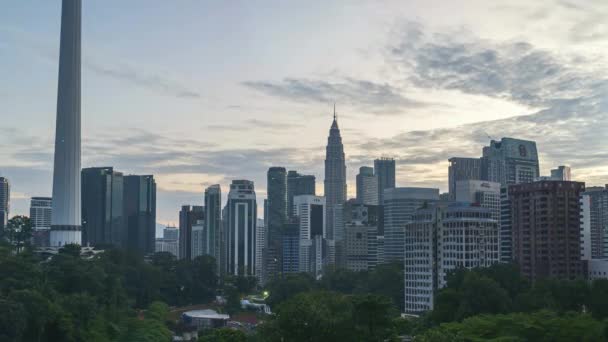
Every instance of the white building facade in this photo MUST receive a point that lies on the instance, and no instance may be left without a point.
(241, 220)
(311, 213)
(441, 238)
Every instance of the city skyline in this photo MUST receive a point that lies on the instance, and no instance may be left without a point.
(384, 110)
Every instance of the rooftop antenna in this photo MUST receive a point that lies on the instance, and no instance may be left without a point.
(335, 112)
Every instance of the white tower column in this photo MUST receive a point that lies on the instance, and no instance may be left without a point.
(66, 221)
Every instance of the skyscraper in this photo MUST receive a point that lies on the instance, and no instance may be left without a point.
(102, 207)
(596, 201)
(546, 223)
(198, 239)
(169, 242)
(298, 184)
(510, 161)
(311, 214)
(461, 169)
(277, 218)
(213, 221)
(139, 198)
(40, 214)
(441, 238)
(66, 221)
(361, 236)
(5, 201)
(240, 222)
(260, 242)
(188, 217)
(485, 194)
(384, 169)
(367, 186)
(399, 206)
(562, 173)
(170, 233)
(335, 176)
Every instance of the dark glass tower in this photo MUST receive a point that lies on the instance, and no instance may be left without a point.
(335, 176)
(384, 169)
(277, 218)
(5, 199)
(213, 216)
(102, 207)
(187, 218)
(139, 198)
(298, 184)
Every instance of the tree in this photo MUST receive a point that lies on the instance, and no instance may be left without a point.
(343, 281)
(479, 294)
(538, 326)
(311, 316)
(387, 280)
(598, 299)
(12, 321)
(224, 335)
(372, 316)
(19, 231)
(71, 249)
(446, 305)
(37, 311)
(282, 289)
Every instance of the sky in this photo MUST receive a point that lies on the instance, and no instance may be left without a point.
(204, 92)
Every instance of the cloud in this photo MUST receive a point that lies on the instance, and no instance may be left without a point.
(275, 126)
(516, 71)
(152, 81)
(377, 98)
(569, 93)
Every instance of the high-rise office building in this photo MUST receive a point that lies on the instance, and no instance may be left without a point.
(595, 200)
(213, 221)
(102, 206)
(335, 177)
(40, 215)
(139, 200)
(276, 208)
(240, 222)
(311, 214)
(66, 220)
(198, 239)
(461, 169)
(361, 235)
(367, 186)
(441, 238)
(5, 201)
(510, 161)
(260, 242)
(171, 233)
(167, 245)
(399, 206)
(291, 247)
(188, 217)
(562, 173)
(506, 238)
(484, 193)
(384, 169)
(546, 218)
(298, 184)
(40, 212)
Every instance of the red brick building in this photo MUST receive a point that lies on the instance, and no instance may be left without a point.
(546, 229)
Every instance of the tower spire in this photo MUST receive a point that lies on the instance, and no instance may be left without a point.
(335, 112)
